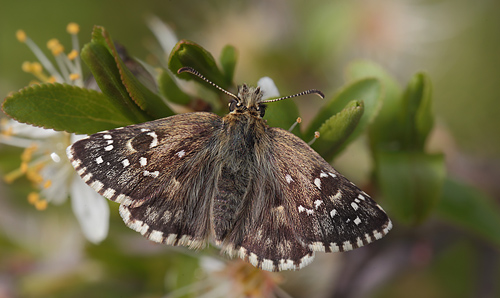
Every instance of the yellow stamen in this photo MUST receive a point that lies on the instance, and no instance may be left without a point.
(21, 35)
(73, 54)
(73, 28)
(55, 46)
(41, 205)
(7, 130)
(52, 43)
(33, 174)
(36, 68)
(28, 152)
(26, 66)
(57, 50)
(52, 80)
(316, 136)
(24, 167)
(299, 120)
(74, 76)
(47, 184)
(33, 197)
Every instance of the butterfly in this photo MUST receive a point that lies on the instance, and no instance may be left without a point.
(258, 192)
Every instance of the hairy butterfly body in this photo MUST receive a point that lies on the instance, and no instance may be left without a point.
(258, 192)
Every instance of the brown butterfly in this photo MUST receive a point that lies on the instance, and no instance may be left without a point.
(258, 192)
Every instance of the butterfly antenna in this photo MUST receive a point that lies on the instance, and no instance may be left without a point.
(319, 93)
(196, 73)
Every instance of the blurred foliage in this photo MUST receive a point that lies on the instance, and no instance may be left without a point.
(446, 237)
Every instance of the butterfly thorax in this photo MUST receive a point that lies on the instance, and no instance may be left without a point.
(248, 101)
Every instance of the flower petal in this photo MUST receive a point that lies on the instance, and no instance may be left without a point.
(91, 210)
(267, 85)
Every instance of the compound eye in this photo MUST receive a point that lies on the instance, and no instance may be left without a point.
(232, 105)
(262, 110)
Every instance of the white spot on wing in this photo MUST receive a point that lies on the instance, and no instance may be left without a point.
(332, 174)
(333, 213)
(143, 161)
(87, 177)
(267, 265)
(323, 175)
(156, 236)
(334, 247)
(154, 142)
(181, 153)
(359, 242)
(354, 206)
(96, 185)
(347, 245)
(252, 258)
(108, 148)
(361, 197)
(99, 160)
(317, 182)
(171, 239)
(288, 178)
(317, 203)
(308, 211)
(123, 199)
(317, 246)
(151, 174)
(336, 197)
(108, 137)
(357, 221)
(109, 193)
(125, 163)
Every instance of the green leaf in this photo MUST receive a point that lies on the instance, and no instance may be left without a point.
(336, 130)
(366, 90)
(64, 107)
(187, 53)
(362, 69)
(385, 127)
(170, 90)
(103, 67)
(469, 208)
(227, 59)
(416, 117)
(147, 100)
(410, 183)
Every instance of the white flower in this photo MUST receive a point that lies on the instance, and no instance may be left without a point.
(44, 160)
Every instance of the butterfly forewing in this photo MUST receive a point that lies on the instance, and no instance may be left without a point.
(155, 170)
(333, 213)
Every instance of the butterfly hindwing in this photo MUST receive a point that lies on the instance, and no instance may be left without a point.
(148, 169)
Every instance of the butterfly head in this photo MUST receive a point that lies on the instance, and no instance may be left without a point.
(249, 100)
